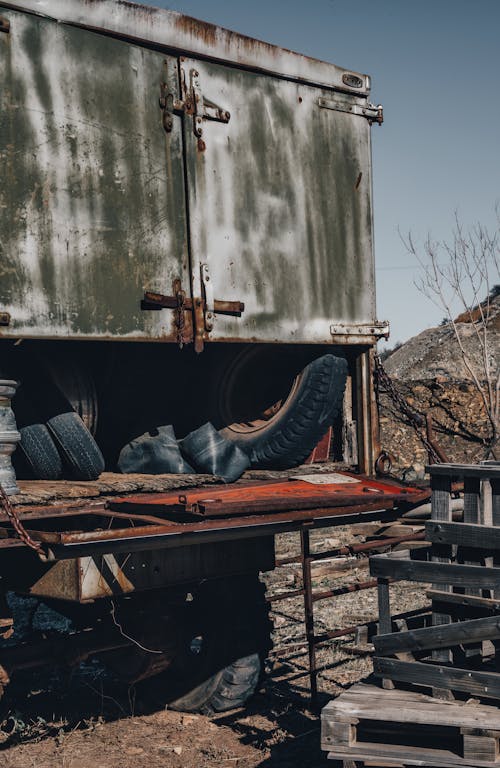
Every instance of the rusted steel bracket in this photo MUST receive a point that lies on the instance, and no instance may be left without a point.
(4, 24)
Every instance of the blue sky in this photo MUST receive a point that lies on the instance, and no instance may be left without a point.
(435, 66)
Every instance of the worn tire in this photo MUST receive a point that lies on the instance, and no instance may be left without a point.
(39, 454)
(311, 407)
(79, 451)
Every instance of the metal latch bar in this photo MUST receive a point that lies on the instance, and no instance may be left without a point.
(153, 301)
(374, 114)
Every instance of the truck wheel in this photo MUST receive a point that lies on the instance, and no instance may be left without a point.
(276, 414)
(213, 650)
(39, 453)
(79, 451)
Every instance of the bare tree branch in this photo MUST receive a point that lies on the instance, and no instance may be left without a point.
(464, 271)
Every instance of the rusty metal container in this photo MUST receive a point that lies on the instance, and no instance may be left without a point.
(144, 152)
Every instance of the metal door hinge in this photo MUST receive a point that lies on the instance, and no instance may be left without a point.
(4, 318)
(374, 114)
(361, 332)
(4, 24)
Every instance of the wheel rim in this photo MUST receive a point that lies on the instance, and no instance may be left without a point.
(257, 387)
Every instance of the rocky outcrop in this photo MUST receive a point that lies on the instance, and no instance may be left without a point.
(429, 372)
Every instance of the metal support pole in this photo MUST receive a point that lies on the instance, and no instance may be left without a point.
(309, 610)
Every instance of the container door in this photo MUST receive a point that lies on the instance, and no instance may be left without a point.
(280, 215)
(92, 203)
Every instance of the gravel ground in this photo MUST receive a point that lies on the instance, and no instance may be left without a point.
(54, 719)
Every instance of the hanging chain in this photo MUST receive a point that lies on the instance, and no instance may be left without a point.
(416, 419)
(16, 523)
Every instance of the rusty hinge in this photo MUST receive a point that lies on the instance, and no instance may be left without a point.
(4, 24)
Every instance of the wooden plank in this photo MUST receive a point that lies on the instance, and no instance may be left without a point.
(384, 612)
(471, 535)
(440, 636)
(384, 606)
(483, 472)
(441, 553)
(437, 573)
(433, 675)
(397, 756)
(483, 603)
(480, 748)
(369, 702)
(495, 515)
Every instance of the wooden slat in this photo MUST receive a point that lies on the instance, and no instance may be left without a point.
(440, 636)
(436, 676)
(470, 535)
(483, 472)
(369, 702)
(437, 573)
(482, 603)
(479, 749)
(441, 553)
(369, 753)
(472, 490)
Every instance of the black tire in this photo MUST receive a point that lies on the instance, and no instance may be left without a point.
(39, 454)
(313, 402)
(79, 451)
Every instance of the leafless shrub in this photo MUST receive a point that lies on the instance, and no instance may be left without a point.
(463, 271)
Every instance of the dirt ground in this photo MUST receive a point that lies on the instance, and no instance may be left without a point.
(55, 719)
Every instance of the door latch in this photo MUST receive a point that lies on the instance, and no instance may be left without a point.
(192, 103)
(206, 307)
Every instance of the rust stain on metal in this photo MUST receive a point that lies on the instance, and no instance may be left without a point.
(4, 24)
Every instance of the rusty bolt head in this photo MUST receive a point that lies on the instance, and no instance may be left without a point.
(227, 115)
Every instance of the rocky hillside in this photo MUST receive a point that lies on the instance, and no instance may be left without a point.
(429, 371)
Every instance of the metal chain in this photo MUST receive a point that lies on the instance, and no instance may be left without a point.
(16, 523)
(416, 419)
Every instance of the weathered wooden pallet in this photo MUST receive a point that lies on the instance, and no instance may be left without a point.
(464, 571)
(367, 724)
